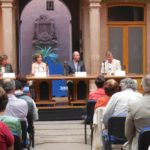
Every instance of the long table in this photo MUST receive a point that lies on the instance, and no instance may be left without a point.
(38, 80)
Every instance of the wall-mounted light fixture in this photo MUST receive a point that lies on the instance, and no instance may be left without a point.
(49, 5)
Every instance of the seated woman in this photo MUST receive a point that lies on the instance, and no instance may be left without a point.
(38, 66)
(5, 67)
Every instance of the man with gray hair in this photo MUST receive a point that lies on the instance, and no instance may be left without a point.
(16, 107)
(118, 103)
(110, 65)
(138, 115)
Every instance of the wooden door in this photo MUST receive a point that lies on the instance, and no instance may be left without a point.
(127, 43)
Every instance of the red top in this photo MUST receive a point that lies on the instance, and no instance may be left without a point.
(95, 95)
(101, 102)
(6, 137)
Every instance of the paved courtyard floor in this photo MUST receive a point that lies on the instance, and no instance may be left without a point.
(60, 135)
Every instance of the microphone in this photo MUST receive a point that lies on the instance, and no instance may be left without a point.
(104, 66)
(65, 68)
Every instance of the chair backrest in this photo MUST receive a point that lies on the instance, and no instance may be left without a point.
(30, 121)
(116, 127)
(17, 142)
(90, 110)
(24, 132)
(144, 139)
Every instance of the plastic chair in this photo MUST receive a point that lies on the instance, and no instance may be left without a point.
(116, 134)
(144, 139)
(30, 128)
(89, 118)
(17, 142)
(25, 140)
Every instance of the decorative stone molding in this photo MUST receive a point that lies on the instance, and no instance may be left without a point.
(94, 3)
(6, 3)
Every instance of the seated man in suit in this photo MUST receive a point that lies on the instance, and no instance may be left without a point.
(76, 65)
(5, 67)
(110, 65)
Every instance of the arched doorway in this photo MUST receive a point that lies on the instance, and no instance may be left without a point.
(60, 18)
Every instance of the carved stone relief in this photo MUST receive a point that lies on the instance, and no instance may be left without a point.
(44, 31)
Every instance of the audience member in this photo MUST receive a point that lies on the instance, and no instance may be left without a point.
(32, 109)
(6, 138)
(38, 66)
(11, 122)
(110, 65)
(15, 107)
(110, 87)
(118, 103)
(138, 116)
(99, 92)
(5, 67)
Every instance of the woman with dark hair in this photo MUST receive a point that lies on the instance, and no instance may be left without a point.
(5, 67)
(38, 66)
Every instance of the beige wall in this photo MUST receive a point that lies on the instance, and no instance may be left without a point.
(8, 27)
(103, 32)
(148, 38)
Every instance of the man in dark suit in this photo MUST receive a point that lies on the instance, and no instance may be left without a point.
(76, 65)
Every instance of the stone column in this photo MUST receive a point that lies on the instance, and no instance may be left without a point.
(8, 26)
(95, 36)
(85, 34)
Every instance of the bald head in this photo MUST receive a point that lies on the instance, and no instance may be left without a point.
(76, 56)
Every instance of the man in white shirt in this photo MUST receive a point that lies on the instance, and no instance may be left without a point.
(16, 107)
(110, 65)
(119, 102)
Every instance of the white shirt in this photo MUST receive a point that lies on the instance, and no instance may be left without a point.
(37, 68)
(119, 102)
(16, 107)
(76, 66)
(30, 102)
(3, 70)
(109, 68)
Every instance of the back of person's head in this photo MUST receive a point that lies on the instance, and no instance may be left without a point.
(146, 84)
(128, 83)
(8, 85)
(100, 80)
(111, 86)
(3, 99)
(18, 85)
